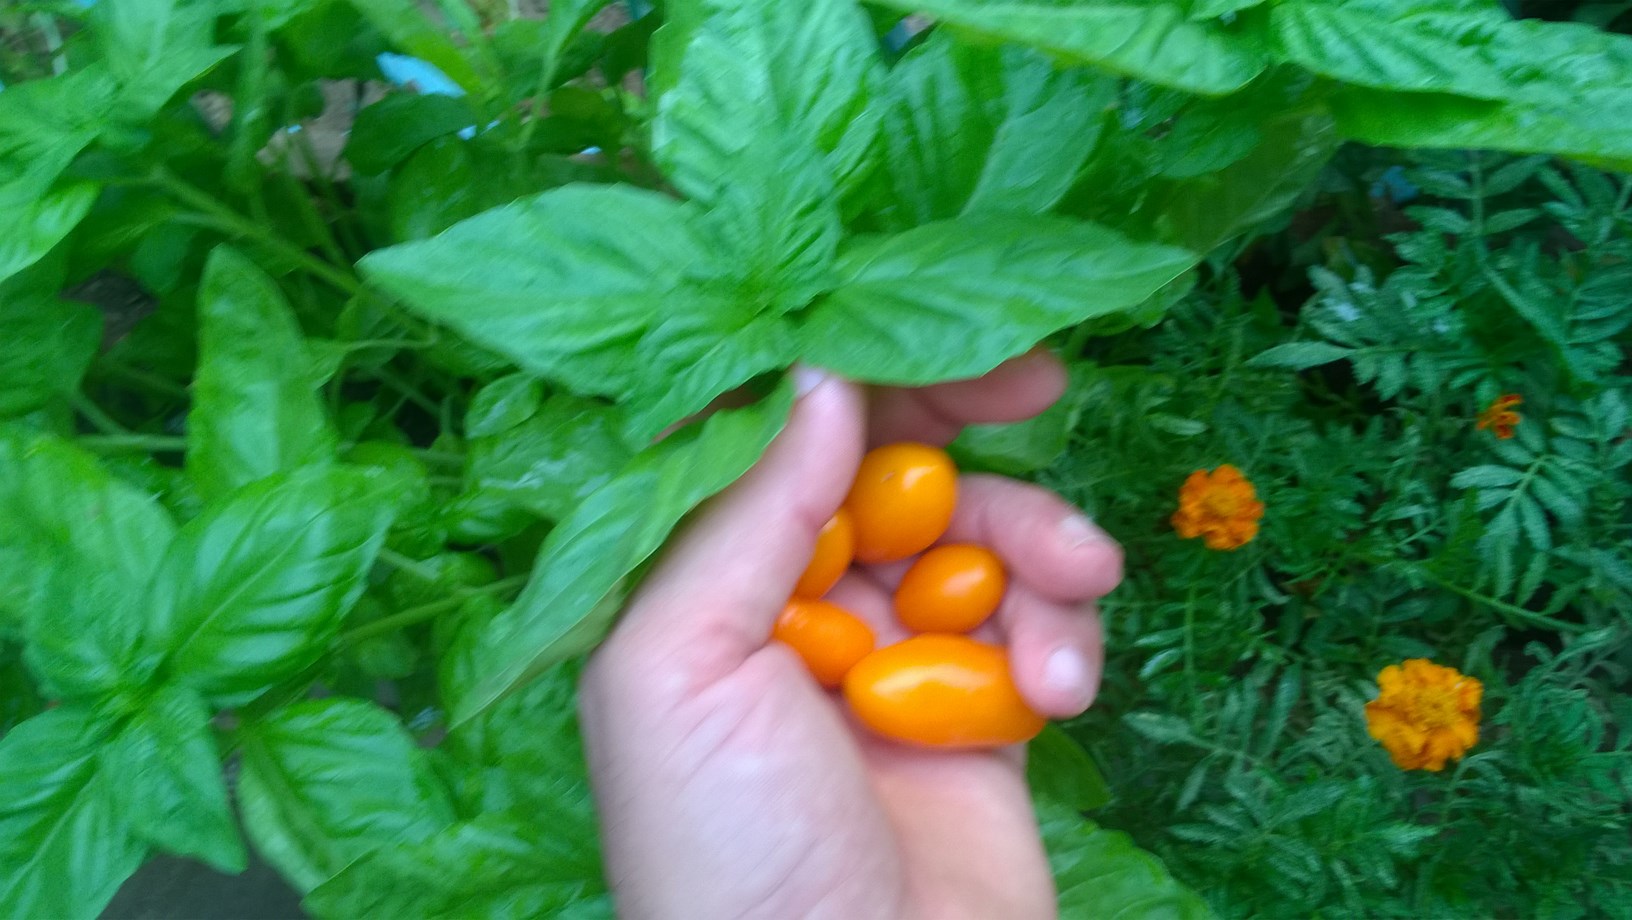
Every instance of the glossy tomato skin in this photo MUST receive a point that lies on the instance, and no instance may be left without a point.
(835, 548)
(951, 588)
(901, 501)
(829, 638)
(943, 691)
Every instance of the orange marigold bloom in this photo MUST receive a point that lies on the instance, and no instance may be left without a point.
(1425, 714)
(1499, 416)
(1222, 507)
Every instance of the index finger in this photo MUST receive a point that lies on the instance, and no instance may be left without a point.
(1015, 390)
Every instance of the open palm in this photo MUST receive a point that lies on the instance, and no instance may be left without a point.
(731, 785)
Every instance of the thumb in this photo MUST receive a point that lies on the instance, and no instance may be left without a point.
(719, 588)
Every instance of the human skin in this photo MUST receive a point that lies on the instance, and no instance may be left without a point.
(730, 784)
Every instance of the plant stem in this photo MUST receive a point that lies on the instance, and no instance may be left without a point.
(441, 457)
(413, 615)
(99, 419)
(122, 443)
(397, 560)
(409, 392)
(146, 379)
(535, 107)
(1529, 617)
(218, 216)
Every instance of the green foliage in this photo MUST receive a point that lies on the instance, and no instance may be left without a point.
(367, 403)
(255, 407)
(566, 609)
(325, 782)
(1231, 727)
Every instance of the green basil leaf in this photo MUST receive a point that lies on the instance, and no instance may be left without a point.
(325, 782)
(64, 840)
(45, 123)
(550, 462)
(703, 357)
(547, 49)
(256, 409)
(171, 786)
(274, 14)
(610, 290)
(60, 497)
(388, 131)
(1595, 126)
(502, 405)
(981, 129)
(41, 224)
(759, 78)
(1213, 9)
(1058, 769)
(567, 18)
(493, 866)
(576, 585)
(563, 283)
(84, 546)
(524, 755)
(1153, 40)
(252, 590)
(82, 638)
(48, 345)
(521, 759)
(1018, 448)
(1202, 212)
(778, 223)
(135, 38)
(154, 48)
(1385, 46)
(451, 179)
(1100, 873)
(768, 123)
(1524, 86)
(954, 299)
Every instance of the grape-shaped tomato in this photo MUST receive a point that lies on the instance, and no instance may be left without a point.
(951, 588)
(835, 546)
(828, 637)
(901, 501)
(941, 690)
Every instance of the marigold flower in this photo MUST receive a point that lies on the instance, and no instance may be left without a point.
(1499, 416)
(1222, 507)
(1425, 714)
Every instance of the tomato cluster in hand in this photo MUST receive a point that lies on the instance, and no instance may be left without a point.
(938, 688)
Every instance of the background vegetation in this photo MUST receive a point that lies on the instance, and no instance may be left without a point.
(306, 519)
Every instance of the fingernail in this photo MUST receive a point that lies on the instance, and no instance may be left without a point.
(1067, 672)
(807, 378)
(1078, 530)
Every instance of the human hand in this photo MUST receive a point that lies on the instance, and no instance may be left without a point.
(730, 784)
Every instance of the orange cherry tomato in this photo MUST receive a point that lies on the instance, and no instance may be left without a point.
(951, 588)
(941, 690)
(835, 546)
(828, 637)
(901, 501)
